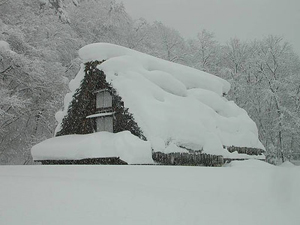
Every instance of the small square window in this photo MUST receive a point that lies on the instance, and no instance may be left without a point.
(103, 99)
(104, 124)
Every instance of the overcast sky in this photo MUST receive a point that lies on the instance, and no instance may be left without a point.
(245, 19)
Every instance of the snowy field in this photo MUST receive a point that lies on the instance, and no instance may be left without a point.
(250, 192)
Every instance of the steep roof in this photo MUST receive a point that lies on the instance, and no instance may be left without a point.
(174, 105)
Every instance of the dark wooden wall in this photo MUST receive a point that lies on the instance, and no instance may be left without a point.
(246, 150)
(188, 159)
(88, 161)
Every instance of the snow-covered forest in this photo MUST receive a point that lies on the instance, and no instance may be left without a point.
(39, 41)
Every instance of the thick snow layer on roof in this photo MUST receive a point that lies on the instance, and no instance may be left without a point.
(171, 103)
(161, 72)
(128, 147)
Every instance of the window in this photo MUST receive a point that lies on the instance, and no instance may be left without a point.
(103, 99)
(104, 124)
(104, 117)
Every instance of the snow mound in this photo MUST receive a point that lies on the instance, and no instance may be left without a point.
(128, 147)
(171, 102)
(167, 82)
(253, 163)
(174, 148)
(287, 164)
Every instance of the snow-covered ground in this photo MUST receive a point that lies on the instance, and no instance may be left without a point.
(250, 192)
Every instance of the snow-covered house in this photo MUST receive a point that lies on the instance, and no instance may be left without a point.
(129, 107)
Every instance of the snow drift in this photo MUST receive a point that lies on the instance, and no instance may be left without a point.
(147, 195)
(97, 145)
(173, 104)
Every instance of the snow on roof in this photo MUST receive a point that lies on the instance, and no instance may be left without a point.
(172, 103)
(128, 147)
(157, 70)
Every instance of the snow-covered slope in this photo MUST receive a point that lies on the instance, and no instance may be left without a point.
(144, 195)
(172, 103)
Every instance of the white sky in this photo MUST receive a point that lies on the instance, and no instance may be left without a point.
(245, 19)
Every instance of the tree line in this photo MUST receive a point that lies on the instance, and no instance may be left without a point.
(44, 36)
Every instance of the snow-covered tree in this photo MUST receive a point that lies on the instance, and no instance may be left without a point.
(264, 77)
(32, 82)
(167, 43)
(203, 51)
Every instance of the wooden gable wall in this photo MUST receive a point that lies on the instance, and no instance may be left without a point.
(85, 103)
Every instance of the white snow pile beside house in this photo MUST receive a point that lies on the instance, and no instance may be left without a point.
(96, 145)
(251, 163)
(173, 104)
(287, 164)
